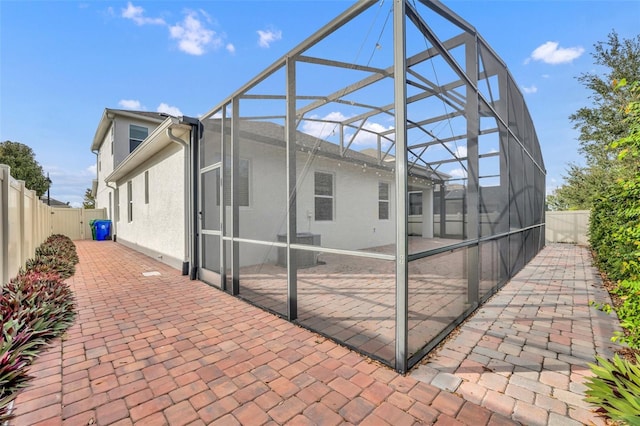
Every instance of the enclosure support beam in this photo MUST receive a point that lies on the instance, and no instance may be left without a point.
(235, 222)
(473, 183)
(400, 98)
(223, 211)
(290, 135)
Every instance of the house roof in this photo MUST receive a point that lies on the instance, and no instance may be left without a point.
(260, 131)
(154, 143)
(53, 202)
(109, 114)
(273, 134)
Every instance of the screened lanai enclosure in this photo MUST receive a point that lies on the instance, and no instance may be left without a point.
(376, 184)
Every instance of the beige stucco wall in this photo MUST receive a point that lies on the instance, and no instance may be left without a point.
(156, 228)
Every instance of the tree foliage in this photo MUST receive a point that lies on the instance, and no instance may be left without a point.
(89, 200)
(24, 166)
(600, 124)
(614, 229)
(614, 234)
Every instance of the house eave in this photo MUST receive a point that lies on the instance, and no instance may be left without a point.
(105, 123)
(154, 143)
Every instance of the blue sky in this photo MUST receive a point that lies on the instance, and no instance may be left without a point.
(63, 62)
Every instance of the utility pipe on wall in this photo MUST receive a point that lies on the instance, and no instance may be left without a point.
(187, 201)
(113, 219)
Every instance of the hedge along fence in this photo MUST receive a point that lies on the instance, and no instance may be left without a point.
(615, 238)
(35, 306)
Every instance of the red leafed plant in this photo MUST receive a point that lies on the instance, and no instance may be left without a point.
(35, 306)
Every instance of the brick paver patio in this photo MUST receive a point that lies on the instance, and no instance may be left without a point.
(525, 353)
(149, 346)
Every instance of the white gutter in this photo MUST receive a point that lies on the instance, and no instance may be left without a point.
(113, 219)
(187, 195)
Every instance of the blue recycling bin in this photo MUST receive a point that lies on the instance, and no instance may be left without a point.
(103, 229)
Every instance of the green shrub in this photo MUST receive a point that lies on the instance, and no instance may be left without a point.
(616, 389)
(614, 234)
(629, 312)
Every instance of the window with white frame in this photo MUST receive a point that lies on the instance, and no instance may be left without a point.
(136, 135)
(242, 183)
(129, 202)
(415, 203)
(383, 200)
(323, 196)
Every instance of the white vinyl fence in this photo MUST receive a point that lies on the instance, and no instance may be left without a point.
(74, 222)
(567, 227)
(25, 222)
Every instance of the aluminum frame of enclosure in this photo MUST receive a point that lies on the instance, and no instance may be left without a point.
(377, 201)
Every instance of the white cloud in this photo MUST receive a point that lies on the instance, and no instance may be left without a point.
(168, 109)
(92, 169)
(265, 38)
(551, 53)
(461, 151)
(193, 37)
(457, 173)
(130, 104)
(370, 138)
(322, 130)
(327, 129)
(530, 89)
(136, 14)
(192, 34)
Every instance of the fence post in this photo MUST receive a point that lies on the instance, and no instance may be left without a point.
(22, 258)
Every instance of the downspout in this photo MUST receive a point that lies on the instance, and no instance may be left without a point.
(114, 232)
(196, 133)
(187, 199)
(111, 118)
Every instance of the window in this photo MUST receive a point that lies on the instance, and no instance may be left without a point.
(383, 201)
(129, 202)
(242, 184)
(136, 135)
(323, 191)
(112, 132)
(415, 203)
(146, 187)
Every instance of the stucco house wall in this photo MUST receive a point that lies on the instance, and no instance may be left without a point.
(156, 228)
(355, 224)
(111, 146)
(104, 167)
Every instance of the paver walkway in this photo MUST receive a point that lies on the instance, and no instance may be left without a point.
(525, 353)
(151, 347)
